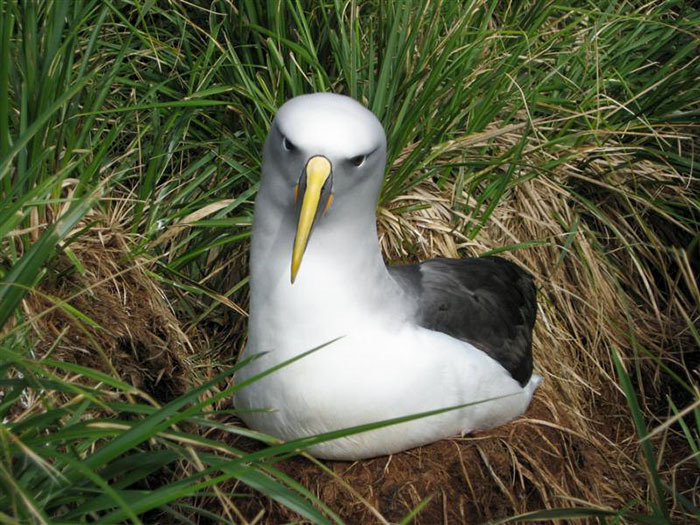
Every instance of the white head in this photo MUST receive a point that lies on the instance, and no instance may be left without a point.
(323, 163)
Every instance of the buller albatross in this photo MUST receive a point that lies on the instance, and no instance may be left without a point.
(413, 338)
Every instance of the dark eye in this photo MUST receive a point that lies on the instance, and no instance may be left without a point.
(358, 161)
(287, 144)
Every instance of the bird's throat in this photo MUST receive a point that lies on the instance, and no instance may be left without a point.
(342, 284)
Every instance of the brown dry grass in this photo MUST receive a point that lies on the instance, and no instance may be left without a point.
(132, 332)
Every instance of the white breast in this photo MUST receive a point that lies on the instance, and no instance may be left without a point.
(376, 374)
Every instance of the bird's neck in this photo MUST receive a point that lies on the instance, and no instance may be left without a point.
(342, 282)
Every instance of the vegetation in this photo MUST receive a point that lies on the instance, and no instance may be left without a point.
(561, 135)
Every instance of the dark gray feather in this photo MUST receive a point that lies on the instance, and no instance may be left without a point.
(487, 301)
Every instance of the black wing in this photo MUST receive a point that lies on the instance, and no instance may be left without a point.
(487, 301)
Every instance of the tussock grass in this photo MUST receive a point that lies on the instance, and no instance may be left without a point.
(561, 136)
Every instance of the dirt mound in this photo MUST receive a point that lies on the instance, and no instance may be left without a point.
(100, 309)
(535, 462)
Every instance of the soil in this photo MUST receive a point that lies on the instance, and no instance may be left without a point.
(526, 465)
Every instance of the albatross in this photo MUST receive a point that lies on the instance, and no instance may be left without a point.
(403, 339)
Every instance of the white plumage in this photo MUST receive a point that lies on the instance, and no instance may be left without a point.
(384, 365)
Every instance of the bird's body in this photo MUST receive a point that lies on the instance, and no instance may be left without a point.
(406, 339)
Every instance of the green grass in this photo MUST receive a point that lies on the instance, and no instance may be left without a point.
(145, 121)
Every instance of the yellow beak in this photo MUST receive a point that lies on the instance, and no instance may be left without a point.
(318, 169)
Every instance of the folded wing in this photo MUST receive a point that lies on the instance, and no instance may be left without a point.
(488, 302)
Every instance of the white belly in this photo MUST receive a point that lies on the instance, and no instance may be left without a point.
(373, 376)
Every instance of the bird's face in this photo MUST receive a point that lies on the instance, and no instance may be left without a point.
(324, 157)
